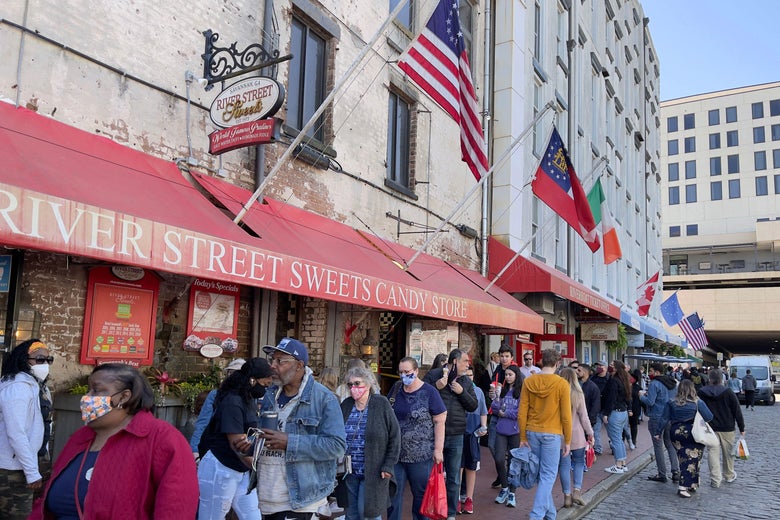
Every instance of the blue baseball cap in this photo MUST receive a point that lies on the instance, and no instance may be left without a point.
(290, 346)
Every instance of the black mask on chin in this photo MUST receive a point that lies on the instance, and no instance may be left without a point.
(257, 391)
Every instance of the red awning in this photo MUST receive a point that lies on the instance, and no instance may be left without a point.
(529, 275)
(72, 192)
(375, 262)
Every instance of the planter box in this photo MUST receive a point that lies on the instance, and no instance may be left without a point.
(67, 417)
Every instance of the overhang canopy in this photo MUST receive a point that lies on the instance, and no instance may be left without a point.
(72, 192)
(530, 275)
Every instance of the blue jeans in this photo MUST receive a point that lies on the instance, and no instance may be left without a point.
(492, 421)
(222, 488)
(574, 462)
(617, 421)
(356, 487)
(417, 474)
(453, 453)
(661, 445)
(547, 447)
(597, 446)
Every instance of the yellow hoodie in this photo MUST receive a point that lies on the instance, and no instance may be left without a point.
(545, 406)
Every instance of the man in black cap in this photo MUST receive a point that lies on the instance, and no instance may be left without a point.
(297, 466)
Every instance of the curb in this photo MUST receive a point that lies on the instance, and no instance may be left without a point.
(603, 489)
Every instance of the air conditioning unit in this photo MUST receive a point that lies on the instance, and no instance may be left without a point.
(541, 302)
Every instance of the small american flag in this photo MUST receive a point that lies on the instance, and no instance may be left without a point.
(437, 61)
(693, 329)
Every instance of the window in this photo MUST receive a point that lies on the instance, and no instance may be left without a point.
(776, 158)
(774, 107)
(690, 193)
(674, 148)
(715, 168)
(689, 121)
(537, 32)
(674, 171)
(671, 124)
(398, 141)
(674, 231)
(716, 190)
(732, 138)
(714, 141)
(690, 144)
(466, 27)
(775, 132)
(758, 134)
(690, 169)
(734, 189)
(306, 81)
(674, 195)
(777, 184)
(731, 114)
(714, 117)
(405, 15)
(759, 160)
(692, 230)
(757, 109)
(733, 163)
(762, 188)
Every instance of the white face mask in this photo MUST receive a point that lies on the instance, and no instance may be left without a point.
(40, 371)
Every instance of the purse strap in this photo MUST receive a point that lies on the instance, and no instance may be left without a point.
(394, 392)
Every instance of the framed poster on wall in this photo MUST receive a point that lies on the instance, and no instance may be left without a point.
(213, 318)
(119, 317)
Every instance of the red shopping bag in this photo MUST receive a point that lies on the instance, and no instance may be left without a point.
(434, 503)
(590, 456)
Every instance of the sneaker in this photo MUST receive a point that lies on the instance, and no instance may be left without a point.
(631, 446)
(468, 506)
(616, 469)
(502, 496)
(675, 476)
(510, 502)
(460, 507)
(732, 479)
(496, 484)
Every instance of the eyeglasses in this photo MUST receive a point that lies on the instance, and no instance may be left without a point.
(358, 384)
(40, 360)
(406, 373)
(280, 361)
(528, 359)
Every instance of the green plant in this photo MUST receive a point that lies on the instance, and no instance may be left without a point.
(622, 340)
(78, 389)
(191, 391)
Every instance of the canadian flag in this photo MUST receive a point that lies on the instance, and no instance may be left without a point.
(646, 294)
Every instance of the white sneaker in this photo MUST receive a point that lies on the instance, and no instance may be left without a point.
(732, 479)
(616, 469)
(631, 446)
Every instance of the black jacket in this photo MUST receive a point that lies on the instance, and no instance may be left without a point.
(614, 397)
(592, 400)
(724, 405)
(457, 404)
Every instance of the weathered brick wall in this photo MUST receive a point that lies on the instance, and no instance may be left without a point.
(313, 331)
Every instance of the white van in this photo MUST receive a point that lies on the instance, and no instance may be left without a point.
(761, 368)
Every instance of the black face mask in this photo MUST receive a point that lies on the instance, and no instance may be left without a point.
(257, 391)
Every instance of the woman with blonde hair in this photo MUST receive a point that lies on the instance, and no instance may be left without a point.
(681, 411)
(581, 436)
(329, 378)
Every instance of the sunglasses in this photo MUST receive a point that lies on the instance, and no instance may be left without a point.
(357, 384)
(40, 360)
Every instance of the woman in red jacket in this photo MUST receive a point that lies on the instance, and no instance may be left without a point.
(125, 463)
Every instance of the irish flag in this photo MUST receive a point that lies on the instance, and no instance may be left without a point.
(609, 237)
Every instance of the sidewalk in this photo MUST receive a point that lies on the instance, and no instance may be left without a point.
(597, 484)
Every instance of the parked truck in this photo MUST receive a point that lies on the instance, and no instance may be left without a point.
(761, 368)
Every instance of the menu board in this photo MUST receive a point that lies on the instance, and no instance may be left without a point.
(120, 317)
(213, 323)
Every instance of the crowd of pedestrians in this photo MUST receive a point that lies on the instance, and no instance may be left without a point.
(274, 442)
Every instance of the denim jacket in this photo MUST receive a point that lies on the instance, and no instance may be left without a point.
(315, 440)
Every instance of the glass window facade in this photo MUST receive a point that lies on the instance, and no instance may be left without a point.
(774, 107)
(715, 166)
(674, 195)
(690, 169)
(398, 140)
(757, 109)
(716, 190)
(731, 114)
(689, 121)
(759, 160)
(733, 163)
(690, 144)
(692, 230)
(714, 141)
(673, 171)
(713, 116)
(732, 138)
(690, 193)
(759, 136)
(673, 147)
(671, 124)
(762, 187)
(775, 132)
(734, 192)
(674, 231)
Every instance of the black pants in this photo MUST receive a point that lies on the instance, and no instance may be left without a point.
(289, 515)
(749, 397)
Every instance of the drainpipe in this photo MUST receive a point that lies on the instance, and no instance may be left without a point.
(571, 46)
(487, 99)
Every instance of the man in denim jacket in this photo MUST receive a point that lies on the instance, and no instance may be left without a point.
(662, 389)
(297, 466)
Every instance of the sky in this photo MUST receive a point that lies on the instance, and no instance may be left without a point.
(709, 45)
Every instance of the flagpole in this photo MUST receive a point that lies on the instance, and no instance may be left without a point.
(499, 162)
(323, 106)
(517, 253)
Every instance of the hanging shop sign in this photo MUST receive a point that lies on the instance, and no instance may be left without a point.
(598, 331)
(251, 133)
(213, 318)
(120, 318)
(247, 100)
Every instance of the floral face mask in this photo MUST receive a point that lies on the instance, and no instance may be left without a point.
(95, 406)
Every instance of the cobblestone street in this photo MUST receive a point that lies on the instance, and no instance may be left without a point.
(753, 495)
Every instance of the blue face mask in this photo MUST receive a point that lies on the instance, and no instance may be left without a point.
(408, 379)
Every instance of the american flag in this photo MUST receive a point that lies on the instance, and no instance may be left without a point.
(438, 63)
(693, 329)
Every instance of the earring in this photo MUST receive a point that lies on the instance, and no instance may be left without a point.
(119, 406)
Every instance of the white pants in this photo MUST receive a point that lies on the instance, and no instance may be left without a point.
(726, 450)
(222, 488)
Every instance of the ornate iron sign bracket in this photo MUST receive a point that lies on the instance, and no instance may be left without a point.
(222, 63)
